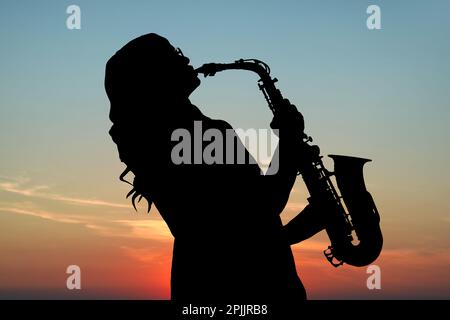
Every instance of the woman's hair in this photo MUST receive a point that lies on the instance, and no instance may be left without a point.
(134, 80)
(138, 191)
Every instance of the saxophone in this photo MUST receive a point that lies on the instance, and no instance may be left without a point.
(352, 219)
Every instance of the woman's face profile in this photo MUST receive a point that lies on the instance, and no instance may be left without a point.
(184, 75)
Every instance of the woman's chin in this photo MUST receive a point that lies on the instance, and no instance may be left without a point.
(194, 84)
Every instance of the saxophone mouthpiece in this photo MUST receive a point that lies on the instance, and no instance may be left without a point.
(208, 69)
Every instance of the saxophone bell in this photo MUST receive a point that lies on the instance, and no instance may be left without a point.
(366, 237)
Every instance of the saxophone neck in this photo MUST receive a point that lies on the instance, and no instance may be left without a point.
(257, 66)
(266, 83)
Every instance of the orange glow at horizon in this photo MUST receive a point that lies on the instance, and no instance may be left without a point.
(141, 269)
(128, 255)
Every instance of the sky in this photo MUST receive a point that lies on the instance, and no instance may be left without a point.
(379, 94)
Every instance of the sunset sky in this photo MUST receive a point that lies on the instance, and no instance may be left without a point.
(379, 94)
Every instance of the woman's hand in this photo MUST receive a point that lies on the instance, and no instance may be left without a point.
(288, 121)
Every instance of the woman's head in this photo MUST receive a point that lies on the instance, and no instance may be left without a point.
(148, 76)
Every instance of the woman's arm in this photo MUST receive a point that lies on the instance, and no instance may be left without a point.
(278, 186)
(305, 225)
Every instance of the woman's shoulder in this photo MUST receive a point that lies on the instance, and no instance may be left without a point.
(210, 122)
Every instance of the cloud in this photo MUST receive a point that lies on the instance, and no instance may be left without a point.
(149, 229)
(153, 255)
(155, 229)
(44, 215)
(16, 186)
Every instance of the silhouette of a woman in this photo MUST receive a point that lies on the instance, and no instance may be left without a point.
(229, 242)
